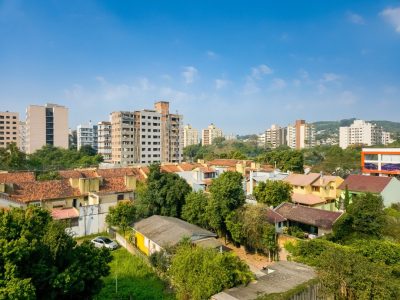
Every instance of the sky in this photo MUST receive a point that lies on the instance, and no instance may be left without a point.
(242, 65)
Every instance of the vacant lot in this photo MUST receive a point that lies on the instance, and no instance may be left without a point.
(131, 278)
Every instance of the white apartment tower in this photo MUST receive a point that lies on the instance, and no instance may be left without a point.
(86, 135)
(9, 129)
(46, 125)
(104, 140)
(362, 133)
(190, 136)
(209, 134)
(301, 135)
(276, 136)
(122, 138)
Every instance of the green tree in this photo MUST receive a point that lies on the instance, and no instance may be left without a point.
(122, 215)
(273, 193)
(87, 150)
(199, 273)
(194, 210)
(284, 159)
(227, 194)
(364, 217)
(12, 159)
(38, 259)
(164, 194)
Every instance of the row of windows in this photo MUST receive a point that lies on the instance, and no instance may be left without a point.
(8, 117)
(149, 117)
(149, 149)
(2, 138)
(7, 122)
(149, 130)
(149, 155)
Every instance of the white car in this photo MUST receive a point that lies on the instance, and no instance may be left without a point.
(104, 242)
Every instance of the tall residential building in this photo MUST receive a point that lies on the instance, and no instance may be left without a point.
(171, 133)
(86, 135)
(361, 133)
(104, 140)
(22, 136)
(301, 135)
(276, 136)
(190, 136)
(146, 136)
(122, 138)
(46, 125)
(9, 129)
(209, 134)
(261, 140)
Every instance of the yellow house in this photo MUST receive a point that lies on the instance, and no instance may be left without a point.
(315, 190)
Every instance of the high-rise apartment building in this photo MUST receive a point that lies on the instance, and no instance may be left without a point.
(104, 140)
(209, 134)
(22, 136)
(301, 135)
(146, 136)
(86, 135)
(46, 125)
(9, 129)
(122, 138)
(276, 136)
(190, 136)
(361, 133)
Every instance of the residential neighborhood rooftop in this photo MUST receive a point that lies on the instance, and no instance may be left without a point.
(302, 179)
(364, 183)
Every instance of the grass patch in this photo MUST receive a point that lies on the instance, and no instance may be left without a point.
(92, 236)
(135, 280)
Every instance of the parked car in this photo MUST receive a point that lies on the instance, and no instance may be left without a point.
(104, 242)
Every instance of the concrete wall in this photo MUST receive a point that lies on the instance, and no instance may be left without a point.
(60, 126)
(391, 194)
(35, 128)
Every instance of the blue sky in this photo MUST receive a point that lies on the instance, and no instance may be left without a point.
(242, 65)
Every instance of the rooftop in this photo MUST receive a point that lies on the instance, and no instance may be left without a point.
(365, 184)
(307, 199)
(302, 179)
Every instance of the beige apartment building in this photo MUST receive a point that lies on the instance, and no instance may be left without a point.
(104, 140)
(190, 136)
(9, 129)
(301, 135)
(275, 136)
(209, 134)
(122, 138)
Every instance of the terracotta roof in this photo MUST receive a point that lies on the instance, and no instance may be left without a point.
(189, 166)
(274, 217)
(117, 172)
(113, 184)
(308, 215)
(308, 199)
(324, 181)
(43, 190)
(17, 177)
(64, 213)
(302, 179)
(362, 183)
(206, 169)
(84, 173)
(223, 162)
(172, 168)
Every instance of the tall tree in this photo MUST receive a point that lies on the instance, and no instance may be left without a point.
(227, 194)
(194, 210)
(38, 259)
(11, 158)
(122, 215)
(273, 193)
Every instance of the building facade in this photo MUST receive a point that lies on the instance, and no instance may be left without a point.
(46, 125)
(301, 135)
(104, 140)
(9, 129)
(122, 138)
(209, 134)
(362, 133)
(190, 136)
(87, 135)
(380, 161)
(22, 136)
(276, 136)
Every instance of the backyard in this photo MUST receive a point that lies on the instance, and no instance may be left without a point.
(131, 278)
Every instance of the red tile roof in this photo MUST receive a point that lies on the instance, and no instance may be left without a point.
(308, 199)
(362, 183)
(114, 184)
(43, 190)
(308, 215)
(274, 217)
(17, 177)
(189, 166)
(223, 162)
(117, 172)
(324, 181)
(170, 168)
(64, 213)
(84, 173)
(302, 179)
(206, 169)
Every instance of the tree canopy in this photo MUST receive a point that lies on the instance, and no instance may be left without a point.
(164, 194)
(38, 259)
(122, 215)
(284, 159)
(198, 273)
(273, 193)
(194, 211)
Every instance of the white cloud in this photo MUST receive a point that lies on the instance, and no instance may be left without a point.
(259, 71)
(211, 54)
(221, 83)
(330, 77)
(189, 74)
(392, 16)
(278, 84)
(355, 18)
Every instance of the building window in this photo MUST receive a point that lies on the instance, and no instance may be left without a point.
(120, 197)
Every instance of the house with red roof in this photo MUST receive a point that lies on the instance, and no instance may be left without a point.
(387, 187)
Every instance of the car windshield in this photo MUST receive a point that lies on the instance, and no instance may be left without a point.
(107, 240)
